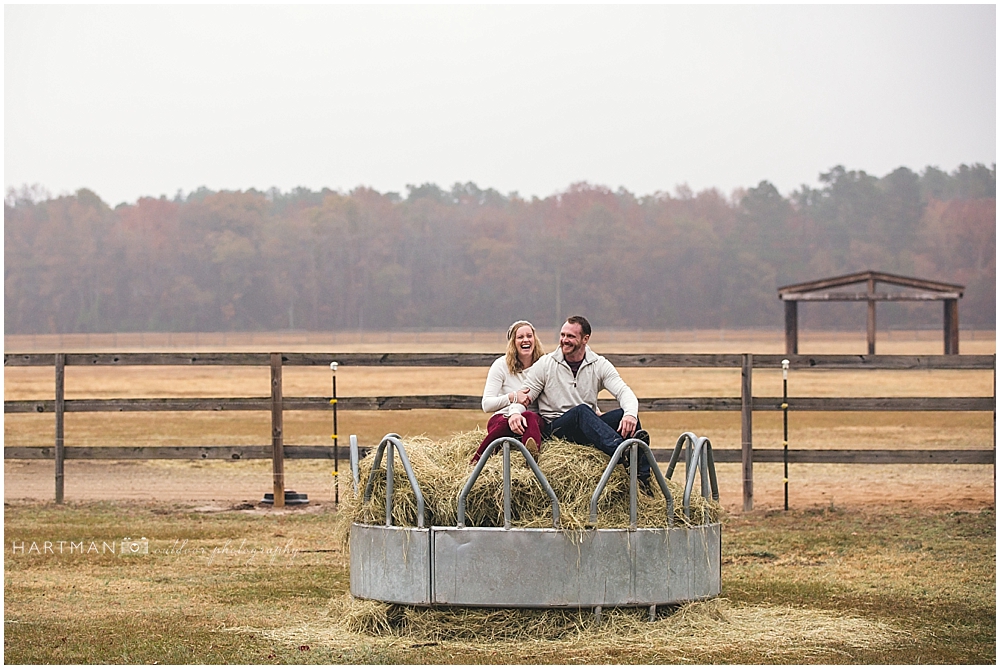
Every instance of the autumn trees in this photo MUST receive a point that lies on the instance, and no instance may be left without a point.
(472, 257)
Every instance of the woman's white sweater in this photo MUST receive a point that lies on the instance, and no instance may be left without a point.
(500, 382)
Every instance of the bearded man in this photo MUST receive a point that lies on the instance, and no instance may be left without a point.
(566, 382)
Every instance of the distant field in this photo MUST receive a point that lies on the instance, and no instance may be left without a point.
(899, 342)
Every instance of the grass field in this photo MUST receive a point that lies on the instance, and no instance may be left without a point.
(242, 586)
(873, 565)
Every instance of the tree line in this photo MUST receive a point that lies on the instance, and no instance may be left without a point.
(468, 257)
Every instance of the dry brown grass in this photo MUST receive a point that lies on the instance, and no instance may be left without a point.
(900, 342)
(902, 586)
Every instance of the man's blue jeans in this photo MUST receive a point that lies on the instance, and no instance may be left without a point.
(582, 426)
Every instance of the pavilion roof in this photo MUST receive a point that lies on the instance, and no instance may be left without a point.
(818, 286)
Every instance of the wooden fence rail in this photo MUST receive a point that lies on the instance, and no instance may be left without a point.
(832, 456)
(404, 402)
(276, 403)
(730, 360)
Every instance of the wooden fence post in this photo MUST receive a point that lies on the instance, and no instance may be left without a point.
(791, 327)
(951, 327)
(746, 429)
(277, 432)
(871, 317)
(60, 425)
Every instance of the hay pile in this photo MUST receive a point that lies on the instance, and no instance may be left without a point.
(478, 625)
(573, 471)
(492, 626)
(708, 631)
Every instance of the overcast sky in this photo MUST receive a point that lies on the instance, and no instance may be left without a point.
(134, 101)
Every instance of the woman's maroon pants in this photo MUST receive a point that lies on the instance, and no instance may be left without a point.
(498, 427)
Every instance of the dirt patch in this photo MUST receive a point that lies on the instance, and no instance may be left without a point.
(216, 486)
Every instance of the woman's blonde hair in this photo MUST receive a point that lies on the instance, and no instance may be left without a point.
(514, 362)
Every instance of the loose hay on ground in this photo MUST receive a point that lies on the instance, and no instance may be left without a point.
(694, 630)
(573, 471)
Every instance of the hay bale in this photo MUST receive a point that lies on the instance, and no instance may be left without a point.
(693, 632)
(573, 471)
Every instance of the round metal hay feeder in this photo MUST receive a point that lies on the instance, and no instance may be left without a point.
(516, 567)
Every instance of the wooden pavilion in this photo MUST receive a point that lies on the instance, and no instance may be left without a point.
(821, 291)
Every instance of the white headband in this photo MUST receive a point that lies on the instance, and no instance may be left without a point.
(515, 326)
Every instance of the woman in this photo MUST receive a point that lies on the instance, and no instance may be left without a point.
(505, 387)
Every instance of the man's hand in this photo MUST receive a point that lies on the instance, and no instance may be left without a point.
(518, 424)
(626, 428)
(521, 397)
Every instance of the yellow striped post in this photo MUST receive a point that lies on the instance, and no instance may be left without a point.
(336, 448)
(784, 411)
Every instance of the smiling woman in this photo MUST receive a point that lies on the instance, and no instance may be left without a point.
(513, 416)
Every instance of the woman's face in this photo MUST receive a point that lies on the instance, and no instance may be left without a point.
(524, 340)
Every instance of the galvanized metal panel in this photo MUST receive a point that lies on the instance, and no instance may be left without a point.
(549, 568)
(605, 568)
(705, 556)
(659, 565)
(676, 565)
(524, 567)
(529, 567)
(391, 564)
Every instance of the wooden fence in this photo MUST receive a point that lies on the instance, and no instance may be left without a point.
(277, 451)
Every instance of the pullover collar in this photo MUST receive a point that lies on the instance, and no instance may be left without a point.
(589, 356)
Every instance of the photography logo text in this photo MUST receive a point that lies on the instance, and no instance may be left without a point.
(134, 546)
(227, 550)
(123, 547)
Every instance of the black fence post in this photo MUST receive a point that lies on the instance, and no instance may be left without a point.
(746, 429)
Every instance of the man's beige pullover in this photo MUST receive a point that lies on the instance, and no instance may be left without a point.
(551, 382)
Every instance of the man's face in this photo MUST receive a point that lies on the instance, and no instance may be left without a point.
(572, 340)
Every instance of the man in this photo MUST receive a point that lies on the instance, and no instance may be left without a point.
(566, 382)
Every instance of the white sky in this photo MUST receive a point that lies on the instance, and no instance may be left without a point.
(132, 101)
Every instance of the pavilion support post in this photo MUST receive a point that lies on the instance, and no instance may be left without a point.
(746, 429)
(871, 317)
(791, 327)
(277, 432)
(951, 327)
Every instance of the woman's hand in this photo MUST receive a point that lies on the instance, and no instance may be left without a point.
(517, 423)
(521, 397)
